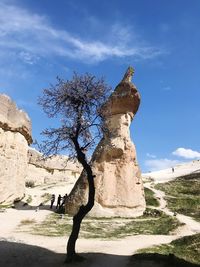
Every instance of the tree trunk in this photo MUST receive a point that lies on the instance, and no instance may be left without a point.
(84, 209)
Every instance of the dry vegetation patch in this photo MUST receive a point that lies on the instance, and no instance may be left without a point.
(150, 198)
(153, 222)
(187, 248)
(183, 195)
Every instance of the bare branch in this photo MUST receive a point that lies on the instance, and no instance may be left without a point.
(76, 103)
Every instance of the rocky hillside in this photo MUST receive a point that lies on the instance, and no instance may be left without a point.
(169, 174)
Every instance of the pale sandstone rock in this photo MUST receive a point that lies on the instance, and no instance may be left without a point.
(13, 119)
(51, 170)
(15, 134)
(118, 183)
(19, 163)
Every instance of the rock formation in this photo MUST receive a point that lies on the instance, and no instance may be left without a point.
(19, 163)
(118, 183)
(15, 135)
(54, 169)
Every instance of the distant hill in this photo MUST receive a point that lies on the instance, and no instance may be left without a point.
(182, 169)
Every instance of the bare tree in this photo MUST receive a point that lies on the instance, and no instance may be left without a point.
(76, 104)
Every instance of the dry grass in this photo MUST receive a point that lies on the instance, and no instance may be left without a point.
(107, 228)
(187, 248)
(27, 222)
(183, 195)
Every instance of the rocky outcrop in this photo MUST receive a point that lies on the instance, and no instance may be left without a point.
(13, 119)
(118, 183)
(15, 135)
(20, 164)
(50, 170)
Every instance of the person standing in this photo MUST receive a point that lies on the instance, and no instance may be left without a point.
(52, 201)
(58, 202)
(64, 199)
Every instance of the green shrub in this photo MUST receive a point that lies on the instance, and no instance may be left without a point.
(30, 183)
(150, 198)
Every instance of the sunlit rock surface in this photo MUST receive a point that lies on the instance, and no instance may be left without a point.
(118, 183)
(15, 135)
(51, 170)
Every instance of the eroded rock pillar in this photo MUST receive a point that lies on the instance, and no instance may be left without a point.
(118, 183)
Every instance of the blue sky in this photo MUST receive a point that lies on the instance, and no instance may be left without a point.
(40, 39)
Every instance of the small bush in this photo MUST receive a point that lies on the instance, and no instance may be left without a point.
(29, 199)
(30, 183)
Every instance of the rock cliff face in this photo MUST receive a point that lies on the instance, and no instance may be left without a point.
(15, 135)
(19, 163)
(54, 169)
(118, 183)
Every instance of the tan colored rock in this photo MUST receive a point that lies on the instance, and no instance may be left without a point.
(13, 119)
(118, 183)
(55, 169)
(15, 134)
(19, 163)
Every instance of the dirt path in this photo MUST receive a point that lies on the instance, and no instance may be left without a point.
(50, 251)
(98, 252)
(191, 226)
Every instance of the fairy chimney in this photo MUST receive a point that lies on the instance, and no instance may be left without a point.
(118, 183)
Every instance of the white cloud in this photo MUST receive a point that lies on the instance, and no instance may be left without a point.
(32, 36)
(159, 164)
(186, 153)
(28, 58)
(150, 155)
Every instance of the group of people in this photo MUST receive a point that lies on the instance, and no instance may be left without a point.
(60, 201)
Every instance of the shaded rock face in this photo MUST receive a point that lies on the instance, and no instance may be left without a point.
(118, 183)
(54, 169)
(15, 135)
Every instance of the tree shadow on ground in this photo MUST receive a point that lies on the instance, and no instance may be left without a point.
(14, 254)
(158, 260)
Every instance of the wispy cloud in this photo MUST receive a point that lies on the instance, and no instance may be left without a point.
(186, 153)
(150, 155)
(167, 88)
(32, 36)
(28, 58)
(155, 164)
(159, 164)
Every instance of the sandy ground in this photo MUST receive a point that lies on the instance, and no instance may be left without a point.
(25, 250)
